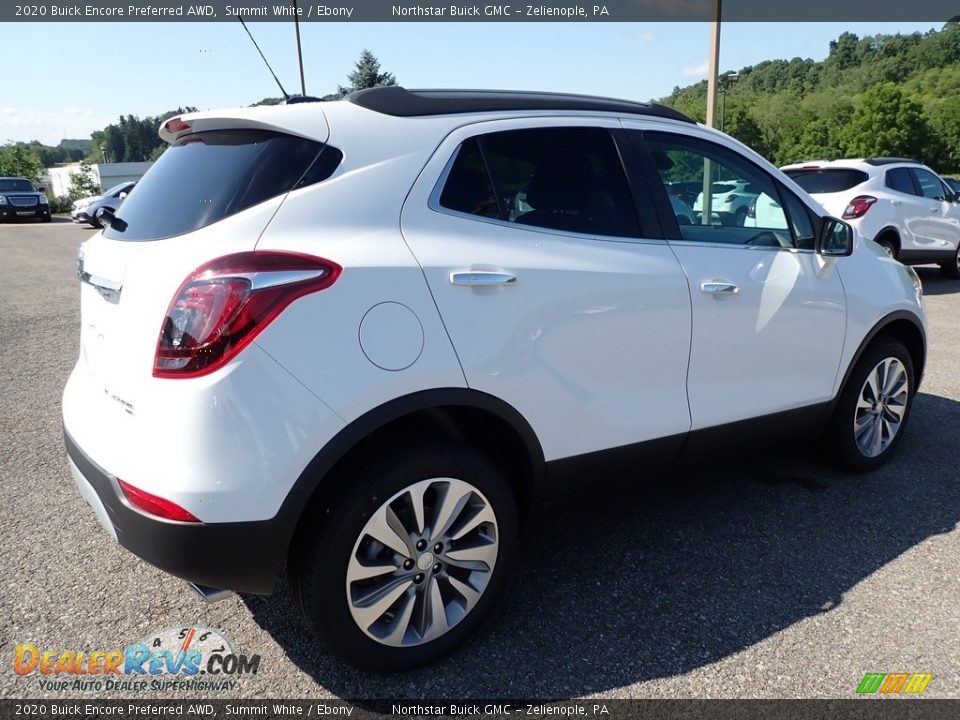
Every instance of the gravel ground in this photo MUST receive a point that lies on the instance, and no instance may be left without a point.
(771, 577)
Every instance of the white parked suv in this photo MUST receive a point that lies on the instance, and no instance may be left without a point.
(327, 336)
(903, 206)
(731, 200)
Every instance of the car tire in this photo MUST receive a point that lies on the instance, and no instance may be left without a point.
(952, 269)
(740, 217)
(887, 244)
(871, 415)
(341, 605)
(47, 218)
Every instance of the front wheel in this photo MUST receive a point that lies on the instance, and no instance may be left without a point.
(403, 568)
(874, 406)
(952, 268)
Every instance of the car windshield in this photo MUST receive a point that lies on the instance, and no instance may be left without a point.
(205, 177)
(16, 185)
(830, 180)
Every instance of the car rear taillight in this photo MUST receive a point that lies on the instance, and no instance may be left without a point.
(176, 125)
(223, 305)
(153, 505)
(858, 207)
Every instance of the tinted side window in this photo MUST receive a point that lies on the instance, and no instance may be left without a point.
(899, 179)
(567, 179)
(468, 188)
(930, 185)
(748, 213)
(801, 221)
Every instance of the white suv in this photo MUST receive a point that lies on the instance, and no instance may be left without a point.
(900, 204)
(362, 339)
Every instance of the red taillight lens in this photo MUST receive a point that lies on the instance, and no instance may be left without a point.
(153, 505)
(223, 305)
(858, 207)
(176, 125)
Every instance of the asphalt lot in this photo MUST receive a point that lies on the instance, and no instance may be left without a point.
(771, 577)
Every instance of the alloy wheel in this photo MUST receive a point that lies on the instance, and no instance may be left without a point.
(881, 407)
(422, 562)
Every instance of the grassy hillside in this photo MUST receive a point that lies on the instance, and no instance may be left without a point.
(876, 95)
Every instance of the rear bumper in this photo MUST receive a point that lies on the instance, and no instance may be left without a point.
(242, 556)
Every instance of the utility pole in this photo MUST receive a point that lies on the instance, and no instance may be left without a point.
(713, 62)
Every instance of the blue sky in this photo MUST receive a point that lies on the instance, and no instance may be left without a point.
(76, 78)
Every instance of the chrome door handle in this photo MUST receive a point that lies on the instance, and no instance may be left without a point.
(719, 288)
(482, 277)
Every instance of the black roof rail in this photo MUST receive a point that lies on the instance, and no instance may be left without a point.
(400, 102)
(890, 161)
(297, 99)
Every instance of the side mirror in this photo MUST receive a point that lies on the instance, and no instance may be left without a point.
(835, 238)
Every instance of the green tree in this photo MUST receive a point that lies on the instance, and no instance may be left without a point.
(82, 183)
(887, 122)
(20, 159)
(366, 75)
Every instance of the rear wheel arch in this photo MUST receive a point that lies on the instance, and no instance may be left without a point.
(891, 235)
(486, 423)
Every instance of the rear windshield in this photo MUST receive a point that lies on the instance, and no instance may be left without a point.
(16, 185)
(827, 181)
(207, 176)
(720, 188)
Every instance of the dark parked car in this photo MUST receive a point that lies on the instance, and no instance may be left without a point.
(20, 199)
(954, 184)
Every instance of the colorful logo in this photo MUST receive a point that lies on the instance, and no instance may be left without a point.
(149, 664)
(894, 683)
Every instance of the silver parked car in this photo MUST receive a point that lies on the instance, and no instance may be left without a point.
(85, 210)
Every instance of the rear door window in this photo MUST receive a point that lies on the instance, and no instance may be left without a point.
(827, 180)
(205, 177)
(899, 179)
(566, 179)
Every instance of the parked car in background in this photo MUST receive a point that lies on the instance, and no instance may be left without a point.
(731, 200)
(277, 372)
(902, 205)
(954, 184)
(85, 211)
(21, 199)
